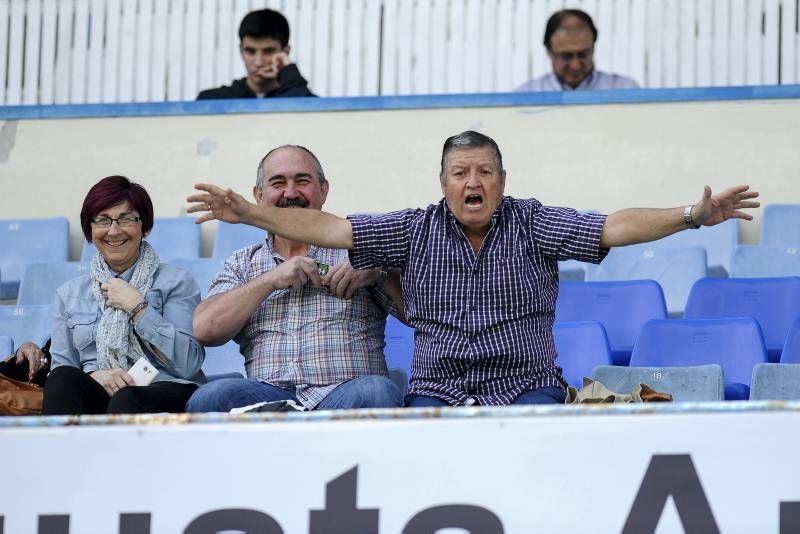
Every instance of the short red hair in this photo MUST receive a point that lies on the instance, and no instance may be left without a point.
(111, 191)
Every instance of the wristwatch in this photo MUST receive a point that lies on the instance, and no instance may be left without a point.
(687, 218)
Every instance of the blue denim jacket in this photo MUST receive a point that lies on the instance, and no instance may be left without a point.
(164, 329)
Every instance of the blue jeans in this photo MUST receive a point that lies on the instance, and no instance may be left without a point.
(370, 391)
(545, 395)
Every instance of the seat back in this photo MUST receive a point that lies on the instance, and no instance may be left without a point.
(719, 242)
(791, 347)
(780, 226)
(734, 344)
(399, 350)
(776, 381)
(41, 280)
(223, 360)
(25, 241)
(685, 384)
(203, 270)
(232, 237)
(171, 237)
(571, 271)
(621, 307)
(26, 323)
(581, 346)
(756, 261)
(773, 302)
(675, 270)
(6, 347)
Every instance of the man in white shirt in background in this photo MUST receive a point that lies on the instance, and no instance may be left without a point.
(569, 37)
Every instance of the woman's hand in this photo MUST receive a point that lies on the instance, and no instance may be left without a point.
(120, 294)
(36, 358)
(112, 380)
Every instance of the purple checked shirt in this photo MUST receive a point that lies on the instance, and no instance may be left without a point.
(483, 321)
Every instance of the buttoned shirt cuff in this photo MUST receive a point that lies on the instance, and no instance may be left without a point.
(594, 230)
(147, 322)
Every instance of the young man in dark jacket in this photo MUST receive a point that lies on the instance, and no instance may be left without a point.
(264, 46)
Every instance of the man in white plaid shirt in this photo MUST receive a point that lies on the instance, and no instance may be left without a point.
(314, 340)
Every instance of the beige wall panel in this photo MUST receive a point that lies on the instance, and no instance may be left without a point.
(604, 157)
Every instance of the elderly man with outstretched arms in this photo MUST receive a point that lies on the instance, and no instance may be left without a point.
(479, 269)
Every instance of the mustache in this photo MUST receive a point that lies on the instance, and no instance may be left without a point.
(292, 203)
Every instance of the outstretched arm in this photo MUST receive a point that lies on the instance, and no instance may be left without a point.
(305, 225)
(640, 225)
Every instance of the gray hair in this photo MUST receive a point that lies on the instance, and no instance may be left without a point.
(469, 139)
(260, 170)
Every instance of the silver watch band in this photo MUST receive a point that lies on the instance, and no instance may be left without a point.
(687, 217)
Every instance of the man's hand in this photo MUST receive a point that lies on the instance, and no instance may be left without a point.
(112, 380)
(36, 358)
(295, 273)
(343, 280)
(715, 209)
(120, 294)
(221, 204)
(271, 69)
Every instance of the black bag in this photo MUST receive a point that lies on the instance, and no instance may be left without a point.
(17, 395)
(19, 372)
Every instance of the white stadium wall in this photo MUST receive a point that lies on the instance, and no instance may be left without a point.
(600, 155)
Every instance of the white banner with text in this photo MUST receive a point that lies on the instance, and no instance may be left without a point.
(553, 470)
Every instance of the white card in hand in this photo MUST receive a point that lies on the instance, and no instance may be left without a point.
(142, 372)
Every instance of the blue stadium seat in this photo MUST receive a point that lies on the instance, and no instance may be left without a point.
(675, 270)
(6, 347)
(735, 344)
(26, 323)
(756, 261)
(695, 383)
(223, 360)
(791, 347)
(581, 346)
(621, 307)
(203, 270)
(399, 349)
(232, 237)
(780, 226)
(571, 271)
(719, 241)
(171, 237)
(40, 281)
(773, 302)
(776, 381)
(24, 241)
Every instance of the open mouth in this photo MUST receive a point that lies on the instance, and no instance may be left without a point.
(474, 201)
(115, 244)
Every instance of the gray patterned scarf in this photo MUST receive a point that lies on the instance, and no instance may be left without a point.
(117, 344)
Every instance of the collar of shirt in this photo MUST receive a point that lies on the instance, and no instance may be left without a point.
(313, 250)
(585, 84)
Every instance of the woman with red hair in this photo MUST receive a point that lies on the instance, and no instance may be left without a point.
(128, 308)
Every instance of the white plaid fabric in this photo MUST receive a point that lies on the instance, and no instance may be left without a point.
(307, 339)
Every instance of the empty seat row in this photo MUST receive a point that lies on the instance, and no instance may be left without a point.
(624, 307)
(677, 261)
(735, 344)
(704, 359)
(27, 241)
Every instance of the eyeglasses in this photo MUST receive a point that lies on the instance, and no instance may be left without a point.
(566, 57)
(125, 221)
